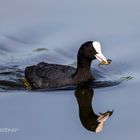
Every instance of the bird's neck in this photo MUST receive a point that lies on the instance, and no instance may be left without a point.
(83, 72)
(83, 67)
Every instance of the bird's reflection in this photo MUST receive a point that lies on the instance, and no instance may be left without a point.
(89, 119)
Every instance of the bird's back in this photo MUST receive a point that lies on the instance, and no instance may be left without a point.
(44, 75)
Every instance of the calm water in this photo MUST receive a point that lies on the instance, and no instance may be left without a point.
(52, 31)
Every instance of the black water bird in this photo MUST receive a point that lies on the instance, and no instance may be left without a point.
(45, 76)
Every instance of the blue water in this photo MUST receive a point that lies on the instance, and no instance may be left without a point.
(34, 31)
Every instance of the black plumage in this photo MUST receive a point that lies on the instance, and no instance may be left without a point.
(44, 75)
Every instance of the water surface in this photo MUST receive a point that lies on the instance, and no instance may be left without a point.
(52, 31)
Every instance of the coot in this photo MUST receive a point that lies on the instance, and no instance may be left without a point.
(46, 76)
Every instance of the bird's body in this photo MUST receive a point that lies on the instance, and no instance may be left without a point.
(44, 75)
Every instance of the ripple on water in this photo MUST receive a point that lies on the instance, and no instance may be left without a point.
(11, 78)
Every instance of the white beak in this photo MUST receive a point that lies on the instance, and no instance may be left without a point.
(99, 55)
(101, 58)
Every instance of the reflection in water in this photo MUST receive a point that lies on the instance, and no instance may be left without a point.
(89, 119)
